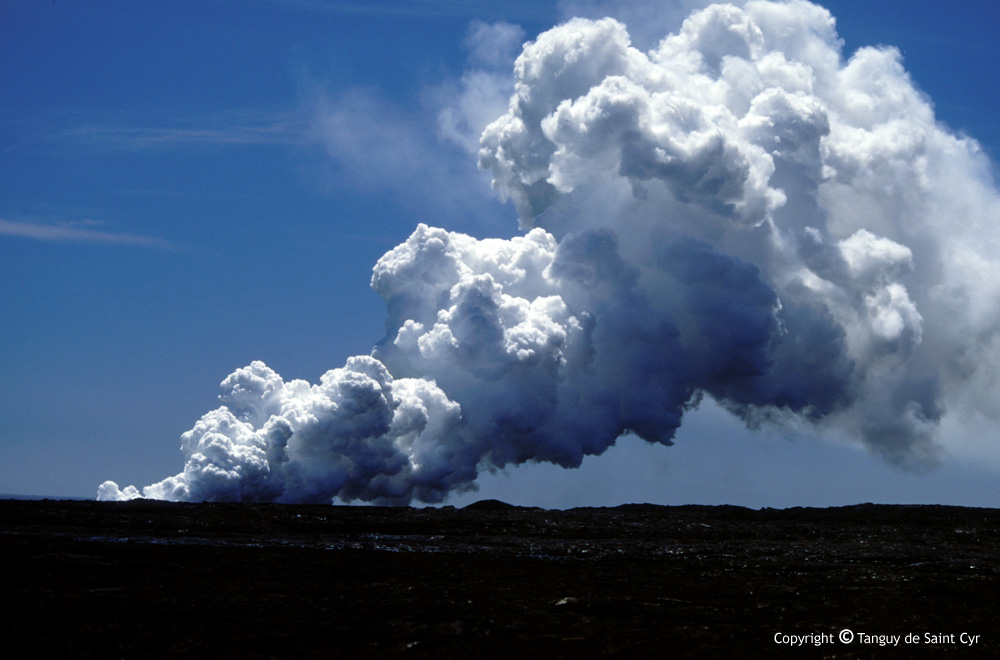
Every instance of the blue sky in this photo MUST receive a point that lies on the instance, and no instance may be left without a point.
(172, 209)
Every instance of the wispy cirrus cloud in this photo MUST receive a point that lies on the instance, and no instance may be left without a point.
(79, 232)
(243, 128)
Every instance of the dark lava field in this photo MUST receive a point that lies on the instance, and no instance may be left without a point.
(146, 579)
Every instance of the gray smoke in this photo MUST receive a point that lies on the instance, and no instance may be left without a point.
(737, 213)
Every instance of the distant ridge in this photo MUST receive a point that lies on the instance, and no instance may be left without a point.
(491, 505)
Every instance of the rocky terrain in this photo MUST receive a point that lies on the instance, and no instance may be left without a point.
(151, 579)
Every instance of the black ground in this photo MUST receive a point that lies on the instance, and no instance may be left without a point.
(149, 579)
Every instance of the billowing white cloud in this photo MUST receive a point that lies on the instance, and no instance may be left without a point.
(359, 433)
(735, 211)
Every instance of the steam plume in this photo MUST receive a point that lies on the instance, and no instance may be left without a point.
(738, 213)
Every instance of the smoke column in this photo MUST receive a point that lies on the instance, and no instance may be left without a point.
(738, 213)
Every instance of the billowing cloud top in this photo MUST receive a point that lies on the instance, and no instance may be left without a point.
(738, 213)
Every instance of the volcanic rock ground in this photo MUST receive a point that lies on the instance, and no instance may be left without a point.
(152, 579)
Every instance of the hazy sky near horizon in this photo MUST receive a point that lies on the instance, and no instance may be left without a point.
(190, 186)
